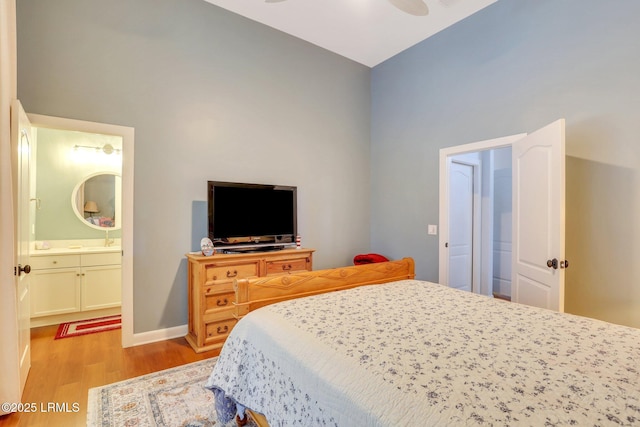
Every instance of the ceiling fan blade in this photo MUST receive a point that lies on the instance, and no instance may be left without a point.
(412, 7)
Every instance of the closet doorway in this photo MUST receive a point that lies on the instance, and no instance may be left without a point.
(126, 134)
(479, 220)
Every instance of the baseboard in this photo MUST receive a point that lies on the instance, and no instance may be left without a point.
(37, 322)
(160, 335)
(501, 296)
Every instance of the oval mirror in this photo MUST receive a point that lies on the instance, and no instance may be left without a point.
(97, 200)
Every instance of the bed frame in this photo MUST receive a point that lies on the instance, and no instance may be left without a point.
(253, 293)
(256, 292)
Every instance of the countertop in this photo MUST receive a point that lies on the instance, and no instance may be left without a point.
(75, 250)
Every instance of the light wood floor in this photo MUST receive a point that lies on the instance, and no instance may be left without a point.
(63, 371)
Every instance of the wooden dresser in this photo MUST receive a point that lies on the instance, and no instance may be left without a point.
(211, 294)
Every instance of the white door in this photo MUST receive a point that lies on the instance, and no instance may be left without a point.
(21, 140)
(461, 187)
(538, 218)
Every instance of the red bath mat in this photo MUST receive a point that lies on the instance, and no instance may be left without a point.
(88, 326)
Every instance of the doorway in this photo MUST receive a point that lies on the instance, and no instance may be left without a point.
(126, 135)
(480, 222)
(475, 220)
(537, 215)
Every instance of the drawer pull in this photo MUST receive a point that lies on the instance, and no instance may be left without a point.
(222, 303)
(223, 329)
(55, 262)
(286, 267)
(230, 274)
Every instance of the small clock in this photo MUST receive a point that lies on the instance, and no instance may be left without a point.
(207, 247)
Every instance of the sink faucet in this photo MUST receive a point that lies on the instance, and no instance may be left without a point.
(107, 242)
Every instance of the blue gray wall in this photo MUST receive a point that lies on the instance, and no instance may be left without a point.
(215, 96)
(515, 67)
(212, 96)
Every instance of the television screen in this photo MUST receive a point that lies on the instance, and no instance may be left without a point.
(250, 214)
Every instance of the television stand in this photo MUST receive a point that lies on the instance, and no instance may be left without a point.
(211, 295)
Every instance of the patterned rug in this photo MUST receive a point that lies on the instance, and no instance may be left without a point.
(173, 397)
(88, 326)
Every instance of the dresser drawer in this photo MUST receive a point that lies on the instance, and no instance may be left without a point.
(54, 261)
(287, 266)
(218, 331)
(108, 258)
(231, 272)
(216, 301)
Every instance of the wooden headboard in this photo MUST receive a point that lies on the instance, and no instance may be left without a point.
(257, 292)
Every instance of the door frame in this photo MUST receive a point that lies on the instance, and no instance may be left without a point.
(445, 155)
(127, 135)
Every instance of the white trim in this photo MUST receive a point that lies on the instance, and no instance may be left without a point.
(486, 234)
(445, 154)
(56, 319)
(127, 134)
(159, 335)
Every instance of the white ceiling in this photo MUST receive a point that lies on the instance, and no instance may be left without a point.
(366, 31)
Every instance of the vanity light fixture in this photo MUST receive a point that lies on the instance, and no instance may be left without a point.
(106, 148)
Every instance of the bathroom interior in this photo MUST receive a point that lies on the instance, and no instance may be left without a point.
(75, 226)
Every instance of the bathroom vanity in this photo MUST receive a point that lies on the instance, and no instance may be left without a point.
(75, 283)
(78, 278)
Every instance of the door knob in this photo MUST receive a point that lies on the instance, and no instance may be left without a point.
(20, 269)
(552, 263)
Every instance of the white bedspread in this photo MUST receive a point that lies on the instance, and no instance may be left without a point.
(417, 353)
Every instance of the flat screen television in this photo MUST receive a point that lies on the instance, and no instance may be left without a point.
(244, 216)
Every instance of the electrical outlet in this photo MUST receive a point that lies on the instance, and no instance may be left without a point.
(432, 229)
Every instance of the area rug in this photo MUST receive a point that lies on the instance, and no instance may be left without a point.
(88, 326)
(173, 397)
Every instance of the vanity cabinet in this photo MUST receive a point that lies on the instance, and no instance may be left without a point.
(211, 295)
(101, 281)
(55, 284)
(70, 283)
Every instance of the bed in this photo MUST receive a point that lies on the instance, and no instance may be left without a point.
(383, 349)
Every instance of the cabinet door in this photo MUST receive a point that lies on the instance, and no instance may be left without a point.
(101, 287)
(55, 291)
